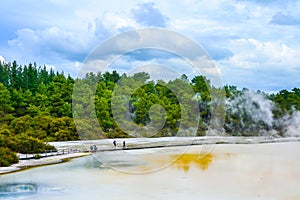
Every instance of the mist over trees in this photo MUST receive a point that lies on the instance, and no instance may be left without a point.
(36, 107)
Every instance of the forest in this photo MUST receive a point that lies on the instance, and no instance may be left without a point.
(36, 108)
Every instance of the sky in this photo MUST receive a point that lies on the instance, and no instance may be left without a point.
(254, 43)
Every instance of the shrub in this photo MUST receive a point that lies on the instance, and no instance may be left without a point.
(7, 157)
(28, 144)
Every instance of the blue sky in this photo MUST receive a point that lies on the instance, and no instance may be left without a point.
(255, 44)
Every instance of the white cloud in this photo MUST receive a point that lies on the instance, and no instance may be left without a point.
(52, 43)
(94, 65)
(172, 49)
(236, 33)
(117, 21)
(251, 53)
(147, 14)
(157, 72)
(48, 67)
(267, 66)
(2, 60)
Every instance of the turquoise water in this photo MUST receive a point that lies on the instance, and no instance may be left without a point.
(17, 189)
(61, 181)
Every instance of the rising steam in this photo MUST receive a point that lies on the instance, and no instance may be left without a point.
(292, 124)
(251, 113)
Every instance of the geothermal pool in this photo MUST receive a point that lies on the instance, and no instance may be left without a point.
(223, 171)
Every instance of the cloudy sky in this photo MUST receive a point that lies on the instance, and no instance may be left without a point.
(254, 43)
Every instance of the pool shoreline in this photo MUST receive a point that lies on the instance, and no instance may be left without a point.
(106, 145)
(32, 163)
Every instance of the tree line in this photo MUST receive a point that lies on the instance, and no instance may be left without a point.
(36, 106)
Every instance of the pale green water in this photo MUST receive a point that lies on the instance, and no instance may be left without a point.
(265, 171)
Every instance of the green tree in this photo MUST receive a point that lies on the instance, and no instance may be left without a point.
(5, 101)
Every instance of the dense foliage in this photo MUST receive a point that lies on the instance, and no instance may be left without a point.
(7, 157)
(36, 106)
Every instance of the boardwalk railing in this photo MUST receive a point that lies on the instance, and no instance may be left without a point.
(47, 153)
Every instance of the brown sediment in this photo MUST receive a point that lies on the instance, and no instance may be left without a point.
(199, 160)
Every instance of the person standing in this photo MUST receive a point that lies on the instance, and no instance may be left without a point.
(124, 144)
(115, 143)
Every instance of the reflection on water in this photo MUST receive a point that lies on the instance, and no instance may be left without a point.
(120, 161)
(185, 161)
(17, 189)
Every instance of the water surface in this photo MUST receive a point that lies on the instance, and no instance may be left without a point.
(252, 171)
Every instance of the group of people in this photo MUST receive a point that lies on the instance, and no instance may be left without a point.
(93, 147)
(115, 144)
